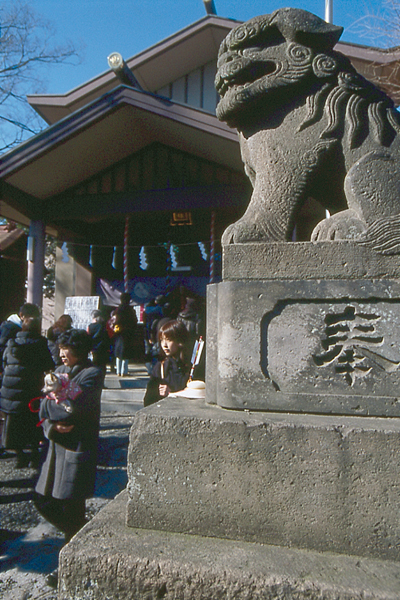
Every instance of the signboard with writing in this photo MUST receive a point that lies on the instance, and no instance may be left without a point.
(80, 308)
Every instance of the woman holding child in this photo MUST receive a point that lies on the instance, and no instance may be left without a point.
(70, 419)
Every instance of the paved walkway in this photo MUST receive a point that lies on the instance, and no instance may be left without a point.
(124, 395)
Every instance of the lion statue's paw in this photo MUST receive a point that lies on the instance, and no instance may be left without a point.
(247, 231)
(345, 225)
(241, 233)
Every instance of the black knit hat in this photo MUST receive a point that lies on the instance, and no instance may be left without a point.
(78, 340)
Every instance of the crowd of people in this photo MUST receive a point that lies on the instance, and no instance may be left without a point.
(50, 390)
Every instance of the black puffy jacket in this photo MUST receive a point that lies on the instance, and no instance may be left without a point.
(8, 331)
(26, 359)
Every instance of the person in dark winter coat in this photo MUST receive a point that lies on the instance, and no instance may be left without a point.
(12, 325)
(171, 372)
(70, 420)
(8, 331)
(100, 340)
(26, 359)
(125, 328)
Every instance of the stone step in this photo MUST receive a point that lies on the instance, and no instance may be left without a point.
(120, 407)
(122, 401)
(124, 394)
(107, 559)
(136, 379)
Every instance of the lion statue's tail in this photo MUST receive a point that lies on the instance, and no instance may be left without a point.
(383, 235)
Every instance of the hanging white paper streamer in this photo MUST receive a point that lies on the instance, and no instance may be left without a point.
(143, 259)
(64, 250)
(113, 262)
(203, 250)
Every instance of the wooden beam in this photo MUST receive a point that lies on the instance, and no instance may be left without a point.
(90, 206)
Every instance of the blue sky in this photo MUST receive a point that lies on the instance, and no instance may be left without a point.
(130, 26)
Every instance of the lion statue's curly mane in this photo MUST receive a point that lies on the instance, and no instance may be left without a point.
(309, 126)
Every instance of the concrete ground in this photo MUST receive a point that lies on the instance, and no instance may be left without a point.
(29, 546)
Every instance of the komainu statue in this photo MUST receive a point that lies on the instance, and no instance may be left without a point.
(310, 126)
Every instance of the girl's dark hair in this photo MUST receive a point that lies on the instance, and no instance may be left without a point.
(64, 323)
(77, 340)
(175, 331)
(98, 315)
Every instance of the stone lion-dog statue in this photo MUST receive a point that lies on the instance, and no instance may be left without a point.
(310, 126)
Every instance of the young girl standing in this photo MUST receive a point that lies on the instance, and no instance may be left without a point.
(171, 372)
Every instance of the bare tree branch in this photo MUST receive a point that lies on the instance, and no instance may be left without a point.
(382, 29)
(26, 49)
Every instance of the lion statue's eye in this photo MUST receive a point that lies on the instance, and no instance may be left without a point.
(324, 65)
(299, 54)
(239, 37)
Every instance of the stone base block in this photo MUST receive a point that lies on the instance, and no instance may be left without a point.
(328, 347)
(320, 483)
(306, 261)
(107, 560)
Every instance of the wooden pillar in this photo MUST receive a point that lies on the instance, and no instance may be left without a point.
(35, 257)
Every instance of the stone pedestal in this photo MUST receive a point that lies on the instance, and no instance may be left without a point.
(305, 261)
(321, 483)
(309, 503)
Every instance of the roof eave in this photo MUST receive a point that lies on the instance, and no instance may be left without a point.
(139, 63)
(71, 124)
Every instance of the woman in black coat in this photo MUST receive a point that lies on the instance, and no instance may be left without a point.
(70, 421)
(26, 359)
(12, 325)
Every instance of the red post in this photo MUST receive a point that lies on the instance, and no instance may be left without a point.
(126, 237)
(212, 247)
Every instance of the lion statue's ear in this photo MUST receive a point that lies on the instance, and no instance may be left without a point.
(324, 65)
